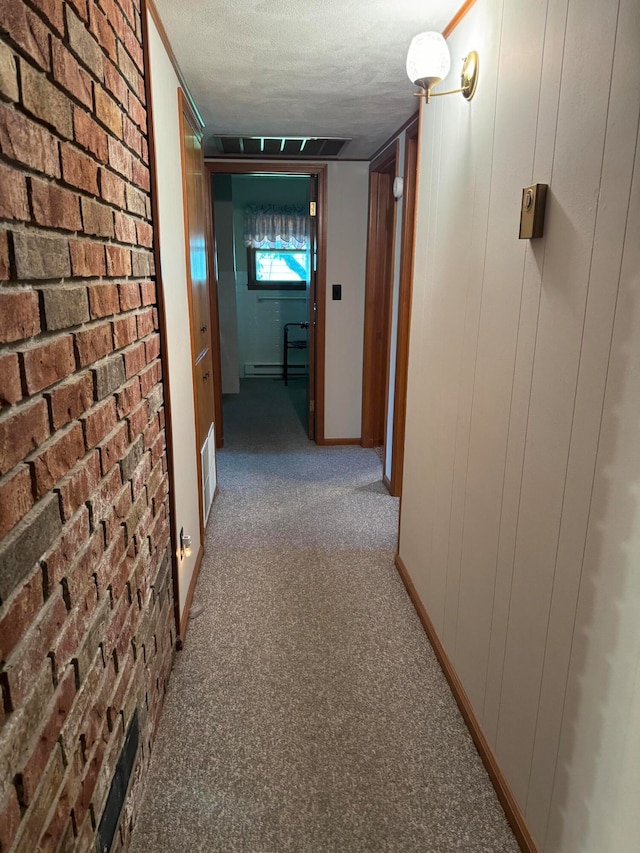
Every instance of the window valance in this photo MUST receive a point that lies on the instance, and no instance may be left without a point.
(276, 227)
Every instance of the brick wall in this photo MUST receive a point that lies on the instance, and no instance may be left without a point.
(86, 631)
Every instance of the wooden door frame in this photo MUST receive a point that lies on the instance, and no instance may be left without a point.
(385, 164)
(269, 167)
(405, 297)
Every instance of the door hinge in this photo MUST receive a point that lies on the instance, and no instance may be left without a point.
(312, 208)
(312, 405)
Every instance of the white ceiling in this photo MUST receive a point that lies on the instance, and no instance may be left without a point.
(301, 67)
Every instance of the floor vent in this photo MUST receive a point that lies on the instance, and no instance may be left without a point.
(118, 790)
(276, 146)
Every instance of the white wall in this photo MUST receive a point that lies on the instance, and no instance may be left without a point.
(520, 523)
(347, 207)
(170, 228)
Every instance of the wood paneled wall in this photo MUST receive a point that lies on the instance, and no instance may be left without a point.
(519, 517)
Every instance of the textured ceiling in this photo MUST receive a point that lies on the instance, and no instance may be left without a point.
(301, 67)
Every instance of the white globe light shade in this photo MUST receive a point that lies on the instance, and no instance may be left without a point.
(428, 59)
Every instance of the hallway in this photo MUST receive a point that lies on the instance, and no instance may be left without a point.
(307, 711)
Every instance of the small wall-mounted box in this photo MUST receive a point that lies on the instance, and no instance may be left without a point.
(534, 199)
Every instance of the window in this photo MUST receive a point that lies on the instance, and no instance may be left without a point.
(278, 269)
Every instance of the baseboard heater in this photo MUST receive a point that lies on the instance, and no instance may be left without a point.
(119, 788)
(271, 369)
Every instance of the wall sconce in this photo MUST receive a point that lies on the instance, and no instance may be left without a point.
(428, 62)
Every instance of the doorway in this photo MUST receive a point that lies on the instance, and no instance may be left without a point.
(268, 258)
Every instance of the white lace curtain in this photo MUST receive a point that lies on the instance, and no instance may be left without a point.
(276, 227)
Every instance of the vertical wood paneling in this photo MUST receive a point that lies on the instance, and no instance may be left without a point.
(547, 117)
(509, 361)
(496, 346)
(570, 229)
(606, 258)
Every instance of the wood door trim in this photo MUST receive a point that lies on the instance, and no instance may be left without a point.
(384, 165)
(182, 115)
(508, 802)
(162, 318)
(459, 15)
(394, 137)
(320, 170)
(151, 8)
(184, 622)
(216, 358)
(405, 299)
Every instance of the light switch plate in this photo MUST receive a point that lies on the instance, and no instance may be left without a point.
(534, 200)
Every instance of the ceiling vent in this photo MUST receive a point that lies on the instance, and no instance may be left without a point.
(277, 146)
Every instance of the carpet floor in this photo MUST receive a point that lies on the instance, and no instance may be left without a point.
(307, 712)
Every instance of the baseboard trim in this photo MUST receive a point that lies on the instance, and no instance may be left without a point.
(332, 442)
(184, 621)
(507, 800)
(387, 483)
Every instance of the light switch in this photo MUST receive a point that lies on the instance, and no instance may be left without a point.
(534, 200)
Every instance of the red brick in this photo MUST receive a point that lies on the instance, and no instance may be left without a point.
(10, 384)
(128, 398)
(124, 331)
(145, 151)
(22, 431)
(19, 614)
(138, 112)
(89, 135)
(145, 234)
(99, 422)
(113, 448)
(34, 769)
(59, 559)
(112, 188)
(134, 48)
(141, 176)
(115, 83)
(10, 816)
(131, 136)
(84, 45)
(48, 362)
(152, 348)
(67, 72)
(16, 499)
(19, 315)
(99, 26)
(31, 653)
(28, 31)
(44, 100)
(93, 343)
(129, 295)
(75, 629)
(97, 218)
(103, 300)
(125, 227)
(148, 292)
(134, 360)
(102, 501)
(149, 377)
(57, 459)
(108, 112)
(27, 142)
(118, 261)
(70, 399)
(145, 323)
(78, 485)
(13, 194)
(120, 159)
(87, 258)
(55, 206)
(138, 420)
(4, 256)
(81, 8)
(79, 170)
(52, 10)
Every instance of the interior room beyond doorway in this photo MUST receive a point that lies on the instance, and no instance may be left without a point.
(264, 266)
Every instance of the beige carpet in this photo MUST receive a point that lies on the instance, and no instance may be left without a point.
(307, 712)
